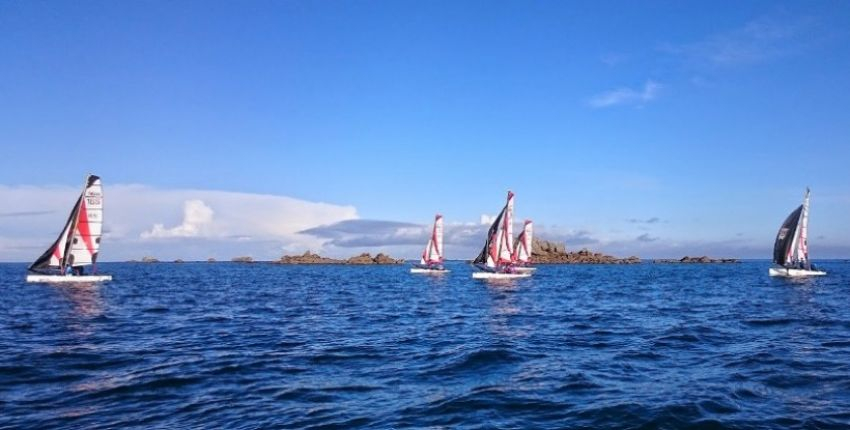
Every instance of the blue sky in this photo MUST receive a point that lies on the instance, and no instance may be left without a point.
(709, 118)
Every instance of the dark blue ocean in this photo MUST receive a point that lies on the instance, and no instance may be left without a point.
(223, 345)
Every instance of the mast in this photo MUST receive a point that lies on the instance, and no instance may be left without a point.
(803, 240)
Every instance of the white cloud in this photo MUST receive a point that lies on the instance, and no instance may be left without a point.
(624, 96)
(197, 217)
(487, 219)
(760, 40)
(169, 223)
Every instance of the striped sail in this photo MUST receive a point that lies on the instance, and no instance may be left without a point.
(86, 241)
(79, 241)
(433, 253)
(522, 247)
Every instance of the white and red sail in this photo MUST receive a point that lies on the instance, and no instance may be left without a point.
(498, 249)
(433, 253)
(522, 247)
(79, 242)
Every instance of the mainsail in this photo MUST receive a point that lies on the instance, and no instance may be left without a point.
(79, 242)
(791, 246)
(498, 249)
(522, 246)
(433, 253)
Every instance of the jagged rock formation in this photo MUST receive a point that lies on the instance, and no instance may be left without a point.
(362, 259)
(244, 259)
(545, 252)
(690, 260)
(149, 259)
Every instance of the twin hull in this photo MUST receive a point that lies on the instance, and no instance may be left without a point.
(60, 279)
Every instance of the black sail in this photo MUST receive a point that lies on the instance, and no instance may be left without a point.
(785, 236)
(482, 257)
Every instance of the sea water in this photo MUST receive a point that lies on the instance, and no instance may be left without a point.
(224, 345)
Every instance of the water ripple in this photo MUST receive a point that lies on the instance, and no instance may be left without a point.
(262, 346)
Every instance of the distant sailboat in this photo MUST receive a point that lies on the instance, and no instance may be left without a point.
(497, 260)
(522, 249)
(791, 249)
(432, 257)
(78, 244)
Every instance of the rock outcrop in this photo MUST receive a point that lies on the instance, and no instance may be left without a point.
(362, 259)
(691, 260)
(367, 258)
(149, 259)
(545, 252)
(244, 259)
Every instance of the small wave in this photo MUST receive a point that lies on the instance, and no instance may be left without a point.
(836, 344)
(480, 359)
(578, 382)
(768, 322)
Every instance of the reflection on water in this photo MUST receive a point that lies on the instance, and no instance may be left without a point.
(86, 299)
(503, 306)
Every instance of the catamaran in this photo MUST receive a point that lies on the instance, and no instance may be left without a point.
(522, 249)
(77, 245)
(496, 260)
(791, 249)
(431, 262)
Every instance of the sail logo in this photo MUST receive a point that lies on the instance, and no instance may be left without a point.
(782, 233)
(93, 200)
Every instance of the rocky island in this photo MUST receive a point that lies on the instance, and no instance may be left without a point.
(362, 259)
(691, 260)
(546, 252)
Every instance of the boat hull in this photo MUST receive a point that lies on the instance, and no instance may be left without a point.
(59, 279)
(497, 275)
(525, 269)
(784, 272)
(424, 271)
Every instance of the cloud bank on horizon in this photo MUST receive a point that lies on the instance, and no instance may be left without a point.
(199, 224)
(169, 224)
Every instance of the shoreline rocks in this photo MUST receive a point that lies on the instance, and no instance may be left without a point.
(696, 260)
(546, 252)
(362, 259)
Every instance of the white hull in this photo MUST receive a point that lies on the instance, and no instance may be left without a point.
(525, 269)
(495, 275)
(793, 273)
(60, 279)
(428, 271)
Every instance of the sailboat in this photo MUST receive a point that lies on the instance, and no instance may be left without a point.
(791, 249)
(497, 260)
(78, 244)
(432, 257)
(522, 249)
